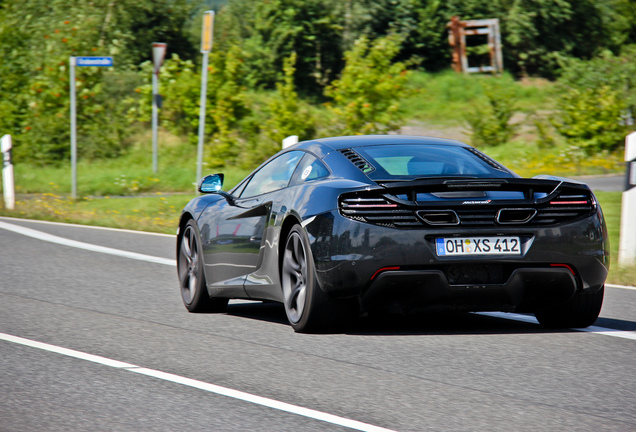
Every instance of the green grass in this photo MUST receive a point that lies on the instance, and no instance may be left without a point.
(445, 98)
(527, 159)
(156, 213)
(442, 102)
(611, 205)
(130, 174)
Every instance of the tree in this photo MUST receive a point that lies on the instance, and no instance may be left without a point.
(37, 38)
(269, 31)
(286, 114)
(538, 33)
(596, 101)
(366, 96)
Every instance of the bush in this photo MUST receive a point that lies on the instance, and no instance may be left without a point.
(490, 125)
(366, 97)
(594, 101)
(287, 116)
(591, 119)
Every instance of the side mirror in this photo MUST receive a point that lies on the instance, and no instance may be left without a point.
(211, 183)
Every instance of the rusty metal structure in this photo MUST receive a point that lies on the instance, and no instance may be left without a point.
(459, 30)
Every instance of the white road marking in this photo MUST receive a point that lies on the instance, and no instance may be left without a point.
(86, 246)
(87, 226)
(230, 265)
(212, 388)
(625, 334)
(620, 287)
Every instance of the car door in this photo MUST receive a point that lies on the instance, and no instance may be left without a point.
(235, 230)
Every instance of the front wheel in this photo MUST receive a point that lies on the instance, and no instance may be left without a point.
(580, 311)
(308, 308)
(191, 276)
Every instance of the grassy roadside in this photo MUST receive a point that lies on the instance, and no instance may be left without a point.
(611, 205)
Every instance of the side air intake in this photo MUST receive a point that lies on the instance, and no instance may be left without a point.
(358, 161)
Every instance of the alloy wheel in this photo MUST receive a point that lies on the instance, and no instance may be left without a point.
(294, 277)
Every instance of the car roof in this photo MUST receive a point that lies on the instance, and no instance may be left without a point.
(344, 142)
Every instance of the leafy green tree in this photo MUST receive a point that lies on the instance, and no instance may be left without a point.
(287, 115)
(269, 31)
(538, 33)
(180, 86)
(591, 119)
(366, 97)
(229, 109)
(36, 40)
(596, 101)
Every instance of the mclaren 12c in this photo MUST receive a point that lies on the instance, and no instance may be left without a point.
(338, 227)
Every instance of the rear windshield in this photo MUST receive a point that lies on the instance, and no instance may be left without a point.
(430, 160)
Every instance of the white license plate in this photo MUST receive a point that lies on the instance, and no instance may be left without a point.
(478, 246)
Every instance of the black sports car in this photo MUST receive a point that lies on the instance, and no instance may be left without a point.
(336, 227)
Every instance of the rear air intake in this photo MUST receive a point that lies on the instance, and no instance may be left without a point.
(438, 217)
(515, 215)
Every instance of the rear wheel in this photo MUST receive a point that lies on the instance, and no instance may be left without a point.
(308, 308)
(191, 276)
(580, 311)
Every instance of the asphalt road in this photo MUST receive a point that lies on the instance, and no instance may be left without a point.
(607, 183)
(162, 368)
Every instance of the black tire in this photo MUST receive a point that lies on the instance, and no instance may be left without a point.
(308, 308)
(194, 292)
(580, 311)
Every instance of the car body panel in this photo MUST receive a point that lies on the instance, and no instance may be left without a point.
(394, 262)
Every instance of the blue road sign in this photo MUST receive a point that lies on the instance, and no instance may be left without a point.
(94, 61)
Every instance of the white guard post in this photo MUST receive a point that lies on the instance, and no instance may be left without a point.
(627, 245)
(290, 141)
(7, 173)
(158, 53)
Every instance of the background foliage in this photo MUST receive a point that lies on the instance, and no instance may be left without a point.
(305, 67)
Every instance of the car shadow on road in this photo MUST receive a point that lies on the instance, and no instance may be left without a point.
(616, 324)
(442, 323)
(448, 323)
(262, 311)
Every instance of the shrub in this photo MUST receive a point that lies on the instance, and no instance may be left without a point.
(490, 125)
(287, 116)
(590, 118)
(366, 97)
(595, 97)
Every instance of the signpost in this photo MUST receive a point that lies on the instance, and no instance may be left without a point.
(79, 61)
(158, 54)
(207, 34)
(627, 245)
(7, 173)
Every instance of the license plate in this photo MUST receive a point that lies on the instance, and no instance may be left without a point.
(478, 246)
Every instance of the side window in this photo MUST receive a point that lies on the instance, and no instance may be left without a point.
(310, 168)
(273, 176)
